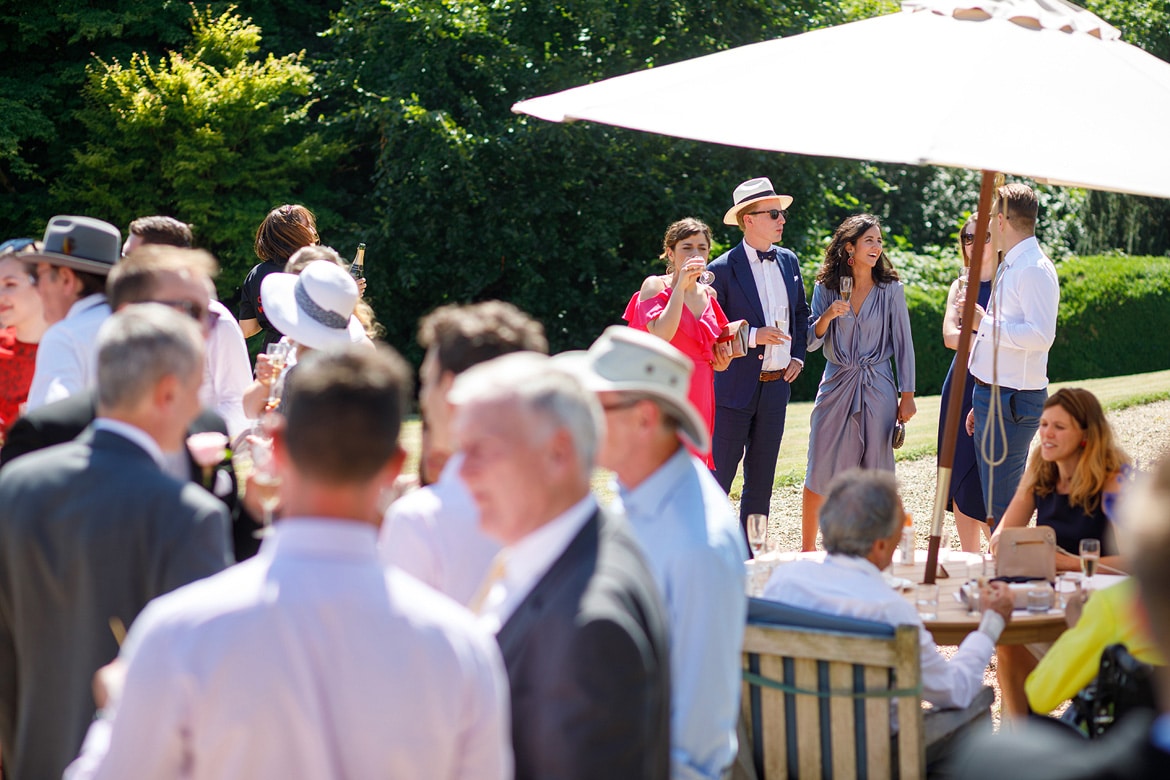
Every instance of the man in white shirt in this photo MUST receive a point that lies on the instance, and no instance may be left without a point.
(759, 282)
(227, 369)
(92, 529)
(311, 659)
(861, 524)
(433, 532)
(70, 276)
(580, 622)
(688, 532)
(1009, 355)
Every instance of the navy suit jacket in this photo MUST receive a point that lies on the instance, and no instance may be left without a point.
(588, 664)
(735, 288)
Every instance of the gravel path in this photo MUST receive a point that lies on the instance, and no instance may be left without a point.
(1143, 431)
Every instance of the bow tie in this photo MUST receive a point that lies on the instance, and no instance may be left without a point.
(770, 255)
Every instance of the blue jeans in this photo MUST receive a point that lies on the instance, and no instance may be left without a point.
(1020, 411)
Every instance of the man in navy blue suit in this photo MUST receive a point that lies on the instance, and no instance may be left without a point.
(759, 282)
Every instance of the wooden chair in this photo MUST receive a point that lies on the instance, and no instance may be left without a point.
(818, 692)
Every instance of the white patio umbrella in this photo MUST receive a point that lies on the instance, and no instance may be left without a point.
(1071, 104)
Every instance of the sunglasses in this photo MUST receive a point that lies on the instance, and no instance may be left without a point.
(773, 213)
(15, 245)
(969, 238)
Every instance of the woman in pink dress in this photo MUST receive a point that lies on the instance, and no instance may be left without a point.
(678, 308)
(21, 326)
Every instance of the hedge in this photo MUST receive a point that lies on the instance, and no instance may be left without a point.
(1114, 320)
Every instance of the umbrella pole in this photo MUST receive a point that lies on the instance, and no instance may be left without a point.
(946, 455)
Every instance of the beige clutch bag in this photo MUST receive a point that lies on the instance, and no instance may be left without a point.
(737, 334)
(1026, 552)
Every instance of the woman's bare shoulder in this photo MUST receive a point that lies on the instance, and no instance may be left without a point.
(652, 286)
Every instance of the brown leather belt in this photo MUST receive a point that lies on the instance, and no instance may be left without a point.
(981, 383)
(771, 376)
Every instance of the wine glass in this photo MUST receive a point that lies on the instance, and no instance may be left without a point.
(964, 275)
(847, 291)
(757, 532)
(264, 479)
(1090, 557)
(277, 358)
(708, 276)
(782, 318)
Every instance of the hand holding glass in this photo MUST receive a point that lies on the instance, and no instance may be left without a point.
(277, 358)
(847, 291)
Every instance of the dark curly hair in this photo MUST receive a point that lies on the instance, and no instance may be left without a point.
(837, 258)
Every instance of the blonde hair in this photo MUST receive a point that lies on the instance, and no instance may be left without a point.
(1100, 459)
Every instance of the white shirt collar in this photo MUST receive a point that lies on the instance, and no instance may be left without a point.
(527, 560)
(134, 434)
(88, 302)
(1029, 243)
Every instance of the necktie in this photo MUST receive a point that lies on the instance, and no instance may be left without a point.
(496, 573)
(770, 255)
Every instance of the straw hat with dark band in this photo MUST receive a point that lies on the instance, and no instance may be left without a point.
(751, 191)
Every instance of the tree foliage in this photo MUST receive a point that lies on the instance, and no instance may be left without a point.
(212, 133)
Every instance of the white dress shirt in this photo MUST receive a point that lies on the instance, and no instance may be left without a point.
(308, 660)
(227, 371)
(433, 534)
(773, 292)
(1022, 316)
(527, 560)
(67, 355)
(853, 587)
(695, 550)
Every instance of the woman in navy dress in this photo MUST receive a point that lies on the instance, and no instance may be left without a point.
(859, 398)
(1076, 465)
(966, 493)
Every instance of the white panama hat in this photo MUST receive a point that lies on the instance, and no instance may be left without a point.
(314, 307)
(626, 360)
(751, 191)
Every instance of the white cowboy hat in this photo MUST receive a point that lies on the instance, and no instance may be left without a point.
(314, 307)
(751, 191)
(80, 243)
(625, 360)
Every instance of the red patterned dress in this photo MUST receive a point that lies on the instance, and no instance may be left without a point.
(17, 361)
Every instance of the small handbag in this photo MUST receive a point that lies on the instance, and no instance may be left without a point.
(899, 437)
(1027, 552)
(737, 334)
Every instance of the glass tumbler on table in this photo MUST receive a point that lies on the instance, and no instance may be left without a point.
(757, 532)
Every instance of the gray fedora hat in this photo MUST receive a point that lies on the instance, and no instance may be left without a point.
(625, 360)
(80, 243)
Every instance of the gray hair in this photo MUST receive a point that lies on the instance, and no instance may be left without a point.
(140, 345)
(861, 506)
(544, 392)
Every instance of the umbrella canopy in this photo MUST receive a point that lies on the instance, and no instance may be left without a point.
(1067, 101)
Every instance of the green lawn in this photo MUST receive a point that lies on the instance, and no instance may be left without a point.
(921, 433)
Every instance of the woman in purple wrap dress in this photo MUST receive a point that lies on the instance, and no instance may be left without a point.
(859, 400)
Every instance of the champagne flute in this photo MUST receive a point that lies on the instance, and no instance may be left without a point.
(1090, 557)
(277, 358)
(757, 532)
(264, 480)
(846, 283)
(782, 318)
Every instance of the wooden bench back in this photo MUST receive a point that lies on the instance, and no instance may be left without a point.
(821, 702)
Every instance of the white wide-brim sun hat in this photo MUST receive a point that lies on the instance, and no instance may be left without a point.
(314, 307)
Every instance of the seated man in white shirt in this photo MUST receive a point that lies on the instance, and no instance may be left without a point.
(311, 659)
(861, 524)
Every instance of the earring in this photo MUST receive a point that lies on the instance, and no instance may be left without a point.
(1084, 442)
(850, 260)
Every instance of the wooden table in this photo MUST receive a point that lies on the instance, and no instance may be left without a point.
(953, 622)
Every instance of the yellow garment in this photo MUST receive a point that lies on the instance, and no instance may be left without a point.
(1109, 617)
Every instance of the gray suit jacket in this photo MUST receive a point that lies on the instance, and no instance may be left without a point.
(89, 530)
(588, 667)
